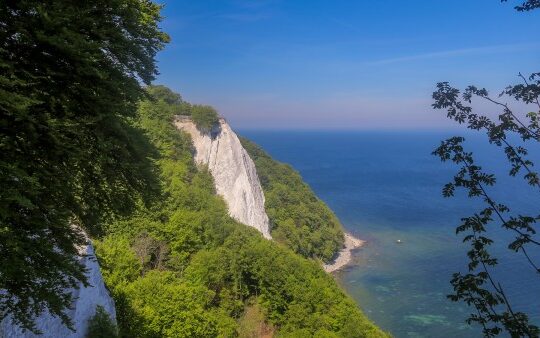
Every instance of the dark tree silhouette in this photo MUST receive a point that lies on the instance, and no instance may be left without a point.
(479, 287)
(528, 5)
(71, 75)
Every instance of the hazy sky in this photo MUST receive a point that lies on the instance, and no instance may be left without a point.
(341, 64)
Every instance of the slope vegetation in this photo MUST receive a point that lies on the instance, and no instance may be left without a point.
(298, 218)
(181, 267)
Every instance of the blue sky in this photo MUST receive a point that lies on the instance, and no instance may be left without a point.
(341, 64)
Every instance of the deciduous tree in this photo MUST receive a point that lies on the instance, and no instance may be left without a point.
(70, 79)
(479, 287)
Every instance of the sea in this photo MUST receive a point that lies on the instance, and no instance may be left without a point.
(386, 188)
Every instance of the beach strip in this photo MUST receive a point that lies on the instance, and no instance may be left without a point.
(345, 255)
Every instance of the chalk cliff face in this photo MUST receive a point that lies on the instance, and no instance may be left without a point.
(86, 299)
(233, 170)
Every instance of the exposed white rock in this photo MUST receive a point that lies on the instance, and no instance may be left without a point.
(86, 300)
(233, 170)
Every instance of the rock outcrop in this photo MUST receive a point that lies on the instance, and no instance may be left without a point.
(233, 170)
(86, 300)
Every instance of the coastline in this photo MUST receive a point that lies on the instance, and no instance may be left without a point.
(345, 255)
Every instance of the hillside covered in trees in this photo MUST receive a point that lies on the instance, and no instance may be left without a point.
(89, 151)
(181, 267)
(299, 219)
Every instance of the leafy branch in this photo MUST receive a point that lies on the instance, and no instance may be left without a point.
(478, 287)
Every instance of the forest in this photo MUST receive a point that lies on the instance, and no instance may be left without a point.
(181, 267)
(89, 150)
(299, 219)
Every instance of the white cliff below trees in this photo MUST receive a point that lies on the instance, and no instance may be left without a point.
(83, 308)
(233, 170)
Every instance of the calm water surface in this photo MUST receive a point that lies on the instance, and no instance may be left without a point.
(386, 186)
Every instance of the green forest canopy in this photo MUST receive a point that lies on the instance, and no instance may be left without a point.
(71, 75)
(84, 146)
(182, 267)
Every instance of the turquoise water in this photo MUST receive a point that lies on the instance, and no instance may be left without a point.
(386, 186)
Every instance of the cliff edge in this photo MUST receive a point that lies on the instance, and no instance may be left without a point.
(233, 170)
(86, 300)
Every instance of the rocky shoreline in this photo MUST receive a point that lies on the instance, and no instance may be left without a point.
(345, 255)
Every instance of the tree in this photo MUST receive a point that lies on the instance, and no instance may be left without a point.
(479, 287)
(205, 117)
(526, 6)
(70, 80)
(101, 325)
(151, 252)
(214, 264)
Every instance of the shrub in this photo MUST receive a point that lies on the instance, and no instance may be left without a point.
(204, 117)
(101, 325)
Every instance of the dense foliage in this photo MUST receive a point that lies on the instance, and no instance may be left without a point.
(183, 268)
(204, 117)
(298, 218)
(527, 5)
(512, 131)
(101, 325)
(70, 77)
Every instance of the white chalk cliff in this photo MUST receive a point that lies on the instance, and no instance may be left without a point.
(86, 300)
(233, 170)
(236, 181)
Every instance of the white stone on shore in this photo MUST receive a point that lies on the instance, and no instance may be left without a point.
(233, 170)
(345, 255)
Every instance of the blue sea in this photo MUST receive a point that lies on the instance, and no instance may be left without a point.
(386, 186)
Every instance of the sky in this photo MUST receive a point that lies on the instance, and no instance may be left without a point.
(313, 64)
